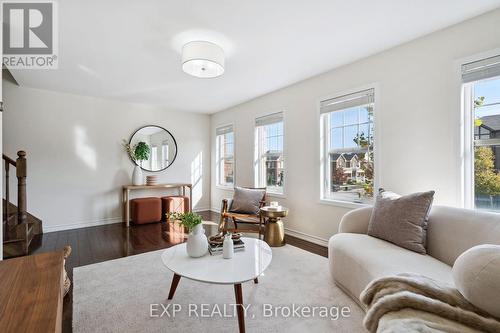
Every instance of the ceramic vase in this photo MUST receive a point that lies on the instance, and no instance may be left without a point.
(197, 242)
(228, 247)
(137, 177)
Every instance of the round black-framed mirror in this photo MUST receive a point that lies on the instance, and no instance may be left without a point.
(153, 148)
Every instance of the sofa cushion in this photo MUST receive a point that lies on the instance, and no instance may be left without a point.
(401, 220)
(476, 274)
(357, 259)
(247, 201)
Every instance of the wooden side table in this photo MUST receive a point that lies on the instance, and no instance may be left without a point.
(274, 233)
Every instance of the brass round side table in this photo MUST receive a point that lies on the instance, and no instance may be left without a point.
(274, 233)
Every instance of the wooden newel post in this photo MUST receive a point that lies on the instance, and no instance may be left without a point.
(7, 190)
(21, 186)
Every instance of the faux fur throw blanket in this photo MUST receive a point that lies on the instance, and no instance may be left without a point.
(415, 303)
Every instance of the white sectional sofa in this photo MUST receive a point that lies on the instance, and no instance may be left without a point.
(356, 258)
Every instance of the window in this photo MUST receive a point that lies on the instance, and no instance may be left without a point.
(269, 159)
(481, 91)
(154, 158)
(164, 155)
(347, 147)
(225, 155)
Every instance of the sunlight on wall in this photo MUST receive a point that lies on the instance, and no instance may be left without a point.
(197, 178)
(83, 150)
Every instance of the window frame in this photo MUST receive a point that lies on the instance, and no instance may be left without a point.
(466, 129)
(323, 139)
(258, 166)
(467, 96)
(218, 159)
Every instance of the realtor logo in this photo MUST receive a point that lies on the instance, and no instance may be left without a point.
(29, 35)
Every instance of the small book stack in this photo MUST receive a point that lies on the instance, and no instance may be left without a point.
(216, 248)
(151, 180)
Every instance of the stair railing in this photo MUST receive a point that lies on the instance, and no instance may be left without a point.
(20, 165)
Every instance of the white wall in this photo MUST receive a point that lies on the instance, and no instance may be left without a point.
(76, 164)
(417, 123)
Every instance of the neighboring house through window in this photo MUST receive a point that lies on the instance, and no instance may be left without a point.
(347, 147)
(225, 155)
(481, 92)
(269, 158)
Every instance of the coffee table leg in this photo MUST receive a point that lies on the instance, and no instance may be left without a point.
(239, 307)
(173, 286)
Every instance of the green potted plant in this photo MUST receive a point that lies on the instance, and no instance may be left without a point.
(197, 242)
(138, 153)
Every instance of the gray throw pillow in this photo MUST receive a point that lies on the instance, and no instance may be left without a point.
(402, 220)
(247, 201)
(392, 195)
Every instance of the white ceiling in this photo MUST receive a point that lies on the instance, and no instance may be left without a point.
(130, 50)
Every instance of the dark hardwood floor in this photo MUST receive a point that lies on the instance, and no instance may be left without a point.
(96, 244)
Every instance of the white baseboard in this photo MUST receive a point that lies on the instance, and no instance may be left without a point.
(307, 237)
(82, 224)
(94, 223)
(200, 209)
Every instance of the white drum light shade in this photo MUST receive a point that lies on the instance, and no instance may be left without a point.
(203, 59)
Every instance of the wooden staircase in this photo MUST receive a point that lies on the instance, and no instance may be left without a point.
(19, 227)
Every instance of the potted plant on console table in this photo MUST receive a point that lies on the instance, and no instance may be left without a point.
(138, 153)
(197, 242)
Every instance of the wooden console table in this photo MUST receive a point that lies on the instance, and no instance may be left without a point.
(128, 188)
(31, 293)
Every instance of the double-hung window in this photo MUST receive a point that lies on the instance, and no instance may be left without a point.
(347, 142)
(225, 155)
(269, 159)
(481, 104)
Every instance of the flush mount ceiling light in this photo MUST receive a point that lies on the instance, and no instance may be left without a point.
(203, 59)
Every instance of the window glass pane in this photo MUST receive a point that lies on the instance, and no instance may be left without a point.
(336, 138)
(486, 152)
(225, 162)
(487, 177)
(349, 155)
(336, 119)
(350, 135)
(351, 116)
(228, 171)
(363, 115)
(229, 137)
(270, 167)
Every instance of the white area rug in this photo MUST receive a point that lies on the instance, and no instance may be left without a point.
(116, 296)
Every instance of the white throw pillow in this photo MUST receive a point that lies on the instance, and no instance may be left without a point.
(476, 274)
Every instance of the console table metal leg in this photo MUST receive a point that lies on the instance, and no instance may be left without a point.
(173, 286)
(239, 307)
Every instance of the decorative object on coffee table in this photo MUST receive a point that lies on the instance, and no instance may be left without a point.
(274, 233)
(197, 242)
(212, 269)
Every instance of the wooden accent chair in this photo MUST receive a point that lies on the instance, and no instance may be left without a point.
(237, 218)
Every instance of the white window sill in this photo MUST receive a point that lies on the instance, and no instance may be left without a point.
(225, 187)
(344, 204)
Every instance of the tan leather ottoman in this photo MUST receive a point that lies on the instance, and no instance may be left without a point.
(145, 210)
(174, 204)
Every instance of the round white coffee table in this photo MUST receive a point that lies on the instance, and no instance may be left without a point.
(244, 266)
